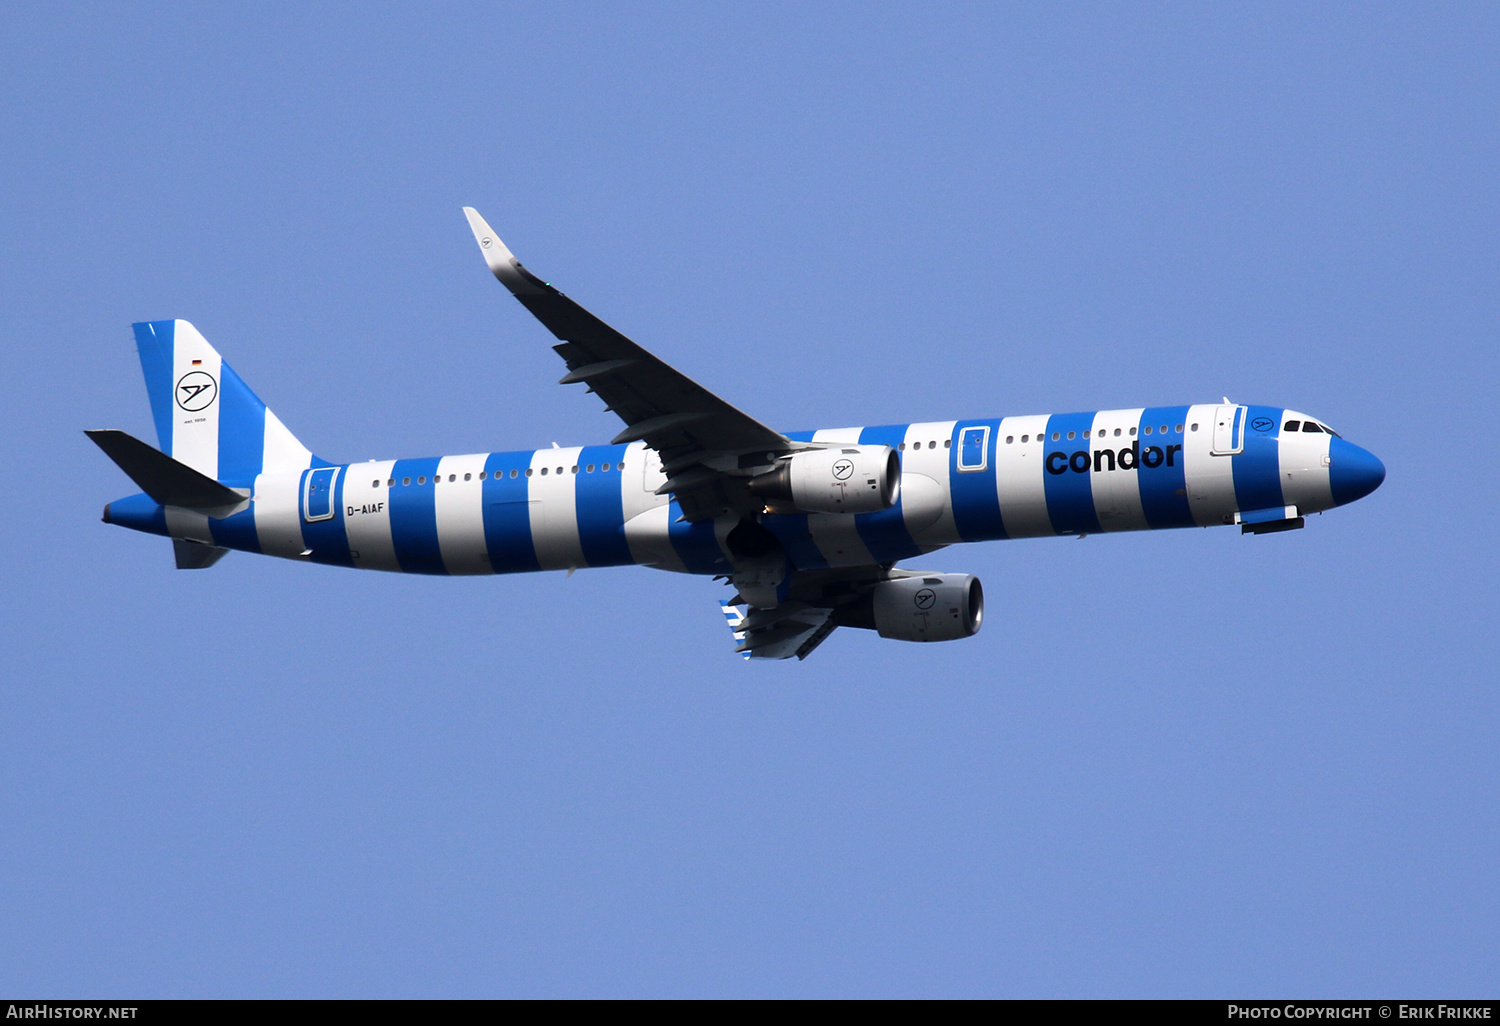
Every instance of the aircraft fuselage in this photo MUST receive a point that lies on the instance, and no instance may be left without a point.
(961, 481)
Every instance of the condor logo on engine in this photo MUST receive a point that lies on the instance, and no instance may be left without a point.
(1128, 458)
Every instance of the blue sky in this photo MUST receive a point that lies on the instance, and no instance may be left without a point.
(1187, 764)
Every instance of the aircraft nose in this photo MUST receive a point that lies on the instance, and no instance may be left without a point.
(1354, 472)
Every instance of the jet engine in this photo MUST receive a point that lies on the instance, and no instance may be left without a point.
(852, 479)
(934, 607)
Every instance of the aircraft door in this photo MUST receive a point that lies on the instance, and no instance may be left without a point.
(652, 475)
(1229, 430)
(317, 494)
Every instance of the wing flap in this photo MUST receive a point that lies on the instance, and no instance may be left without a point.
(791, 629)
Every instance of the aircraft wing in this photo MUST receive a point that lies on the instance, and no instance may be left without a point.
(791, 629)
(697, 434)
(810, 606)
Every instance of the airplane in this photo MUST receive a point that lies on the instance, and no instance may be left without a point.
(807, 527)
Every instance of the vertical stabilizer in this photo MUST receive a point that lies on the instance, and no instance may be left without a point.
(206, 417)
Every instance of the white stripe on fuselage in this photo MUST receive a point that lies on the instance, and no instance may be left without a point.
(932, 461)
(460, 514)
(554, 509)
(1117, 492)
(1019, 477)
(368, 527)
(1210, 478)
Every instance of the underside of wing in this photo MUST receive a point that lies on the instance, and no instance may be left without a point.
(792, 629)
(705, 443)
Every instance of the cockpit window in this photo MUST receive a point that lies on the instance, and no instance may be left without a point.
(1309, 426)
(1293, 425)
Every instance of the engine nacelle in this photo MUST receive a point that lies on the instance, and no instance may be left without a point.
(851, 479)
(934, 607)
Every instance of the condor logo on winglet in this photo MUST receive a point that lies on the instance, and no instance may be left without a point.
(1128, 458)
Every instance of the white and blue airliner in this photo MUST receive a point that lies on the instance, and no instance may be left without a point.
(807, 527)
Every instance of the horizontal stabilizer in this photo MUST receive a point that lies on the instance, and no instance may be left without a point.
(166, 480)
(193, 555)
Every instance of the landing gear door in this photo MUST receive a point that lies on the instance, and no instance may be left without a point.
(1229, 430)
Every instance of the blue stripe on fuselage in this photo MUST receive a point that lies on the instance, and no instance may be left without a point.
(414, 517)
(507, 513)
(884, 533)
(1257, 467)
(600, 507)
(976, 500)
(695, 543)
(796, 538)
(327, 538)
(238, 531)
(1066, 476)
(1163, 488)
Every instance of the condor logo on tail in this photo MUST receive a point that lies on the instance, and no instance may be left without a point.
(196, 390)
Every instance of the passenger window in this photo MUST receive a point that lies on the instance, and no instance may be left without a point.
(604, 469)
(1055, 436)
(1179, 429)
(405, 481)
(374, 484)
(1148, 429)
(901, 447)
(1117, 432)
(454, 477)
(1195, 427)
(468, 477)
(1010, 439)
(421, 479)
(544, 471)
(528, 471)
(512, 473)
(1309, 427)
(1070, 435)
(575, 469)
(1292, 425)
(391, 483)
(589, 469)
(1132, 432)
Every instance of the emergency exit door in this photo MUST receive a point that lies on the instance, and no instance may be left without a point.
(1229, 430)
